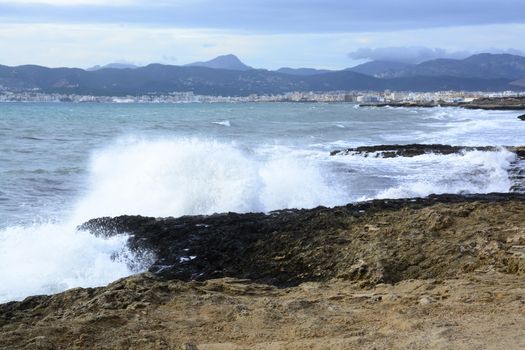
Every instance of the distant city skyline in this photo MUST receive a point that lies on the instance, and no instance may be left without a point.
(263, 34)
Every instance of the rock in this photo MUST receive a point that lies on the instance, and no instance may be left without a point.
(425, 300)
(492, 103)
(411, 150)
(516, 171)
(289, 247)
(497, 103)
(522, 117)
(337, 282)
(518, 239)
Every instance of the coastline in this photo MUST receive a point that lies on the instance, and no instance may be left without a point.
(427, 272)
(489, 104)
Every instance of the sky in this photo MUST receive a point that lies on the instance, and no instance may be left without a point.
(330, 34)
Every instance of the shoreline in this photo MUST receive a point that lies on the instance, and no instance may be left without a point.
(365, 275)
(490, 104)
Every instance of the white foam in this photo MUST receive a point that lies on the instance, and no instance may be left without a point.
(174, 177)
(190, 176)
(472, 172)
(473, 127)
(49, 258)
(157, 178)
(223, 123)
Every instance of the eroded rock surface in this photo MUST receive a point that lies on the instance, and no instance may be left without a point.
(288, 247)
(441, 272)
(488, 103)
(410, 150)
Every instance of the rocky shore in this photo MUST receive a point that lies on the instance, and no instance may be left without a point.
(443, 272)
(516, 170)
(502, 104)
(417, 149)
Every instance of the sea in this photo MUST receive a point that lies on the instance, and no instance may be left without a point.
(62, 164)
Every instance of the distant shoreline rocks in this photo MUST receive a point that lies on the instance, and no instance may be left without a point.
(516, 171)
(496, 104)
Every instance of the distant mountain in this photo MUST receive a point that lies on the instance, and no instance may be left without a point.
(230, 62)
(302, 71)
(486, 66)
(114, 66)
(157, 79)
(380, 69)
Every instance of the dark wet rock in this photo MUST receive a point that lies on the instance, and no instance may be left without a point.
(412, 150)
(344, 254)
(522, 117)
(516, 169)
(518, 150)
(372, 242)
(497, 103)
(402, 104)
(492, 103)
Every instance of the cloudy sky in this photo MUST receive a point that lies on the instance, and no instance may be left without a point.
(265, 34)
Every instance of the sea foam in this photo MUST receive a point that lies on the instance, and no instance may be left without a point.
(192, 176)
(156, 178)
(49, 258)
(185, 176)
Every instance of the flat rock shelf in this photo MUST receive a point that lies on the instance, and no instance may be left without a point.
(444, 271)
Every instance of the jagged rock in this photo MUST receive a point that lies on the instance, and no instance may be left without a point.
(492, 103)
(411, 150)
(341, 257)
(367, 242)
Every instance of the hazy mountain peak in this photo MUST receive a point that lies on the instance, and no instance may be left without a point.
(379, 68)
(302, 71)
(483, 65)
(229, 61)
(114, 65)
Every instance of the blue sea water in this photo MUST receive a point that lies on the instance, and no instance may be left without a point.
(62, 164)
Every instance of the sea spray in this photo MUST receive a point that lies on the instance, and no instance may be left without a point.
(169, 177)
(183, 164)
(50, 257)
(471, 172)
(174, 177)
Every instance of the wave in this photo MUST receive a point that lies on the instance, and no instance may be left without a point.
(193, 176)
(223, 123)
(49, 258)
(155, 178)
(185, 176)
(471, 172)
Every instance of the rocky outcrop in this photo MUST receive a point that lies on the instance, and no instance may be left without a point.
(366, 242)
(516, 170)
(440, 272)
(493, 103)
(405, 105)
(411, 150)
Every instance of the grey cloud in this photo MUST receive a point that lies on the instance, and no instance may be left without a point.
(291, 16)
(416, 54)
(413, 54)
(508, 51)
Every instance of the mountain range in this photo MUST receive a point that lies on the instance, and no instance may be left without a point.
(230, 62)
(228, 76)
